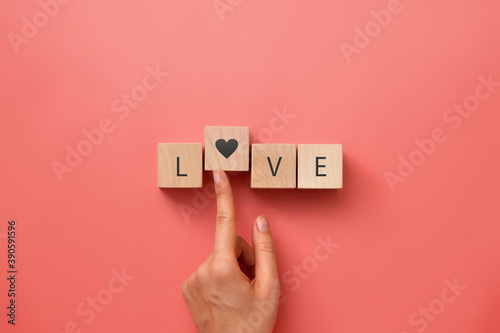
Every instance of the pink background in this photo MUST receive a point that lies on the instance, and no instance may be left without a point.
(396, 247)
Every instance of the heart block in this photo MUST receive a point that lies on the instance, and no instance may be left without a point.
(227, 148)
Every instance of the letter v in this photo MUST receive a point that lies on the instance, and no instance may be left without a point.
(274, 172)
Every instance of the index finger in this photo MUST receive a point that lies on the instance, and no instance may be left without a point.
(226, 230)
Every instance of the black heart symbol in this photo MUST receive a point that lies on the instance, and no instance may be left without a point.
(226, 148)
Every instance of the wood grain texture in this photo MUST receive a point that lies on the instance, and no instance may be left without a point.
(274, 166)
(238, 160)
(319, 166)
(180, 164)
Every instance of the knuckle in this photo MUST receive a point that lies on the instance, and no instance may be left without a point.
(202, 276)
(186, 288)
(223, 218)
(265, 246)
(223, 195)
(220, 271)
(272, 288)
(273, 282)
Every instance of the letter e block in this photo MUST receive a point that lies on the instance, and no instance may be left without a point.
(274, 166)
(180, 164)
(319, 166)
(227, 148)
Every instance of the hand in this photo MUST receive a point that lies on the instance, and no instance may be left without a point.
(237, 288)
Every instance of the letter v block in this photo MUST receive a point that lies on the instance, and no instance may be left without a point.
(274, 166)
(227, 148)
(320, 166)
(180, 164)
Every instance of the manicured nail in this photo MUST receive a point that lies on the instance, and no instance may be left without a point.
(262, 224)
(216, 176)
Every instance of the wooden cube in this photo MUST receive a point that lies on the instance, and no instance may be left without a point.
(319, 166)
(274, 166)
(180, 164)
(227, 148)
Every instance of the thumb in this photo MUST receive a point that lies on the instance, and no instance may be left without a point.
(266, 270)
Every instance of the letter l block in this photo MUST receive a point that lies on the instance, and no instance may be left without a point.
(180, 165)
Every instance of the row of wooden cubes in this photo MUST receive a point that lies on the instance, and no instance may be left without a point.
(272, 165)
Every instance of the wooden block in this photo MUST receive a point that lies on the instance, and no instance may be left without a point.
(227, 148)
(320, 166)
(180, 164)
(274, 166)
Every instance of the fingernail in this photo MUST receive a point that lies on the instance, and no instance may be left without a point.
(216, 176)
(262, 224)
